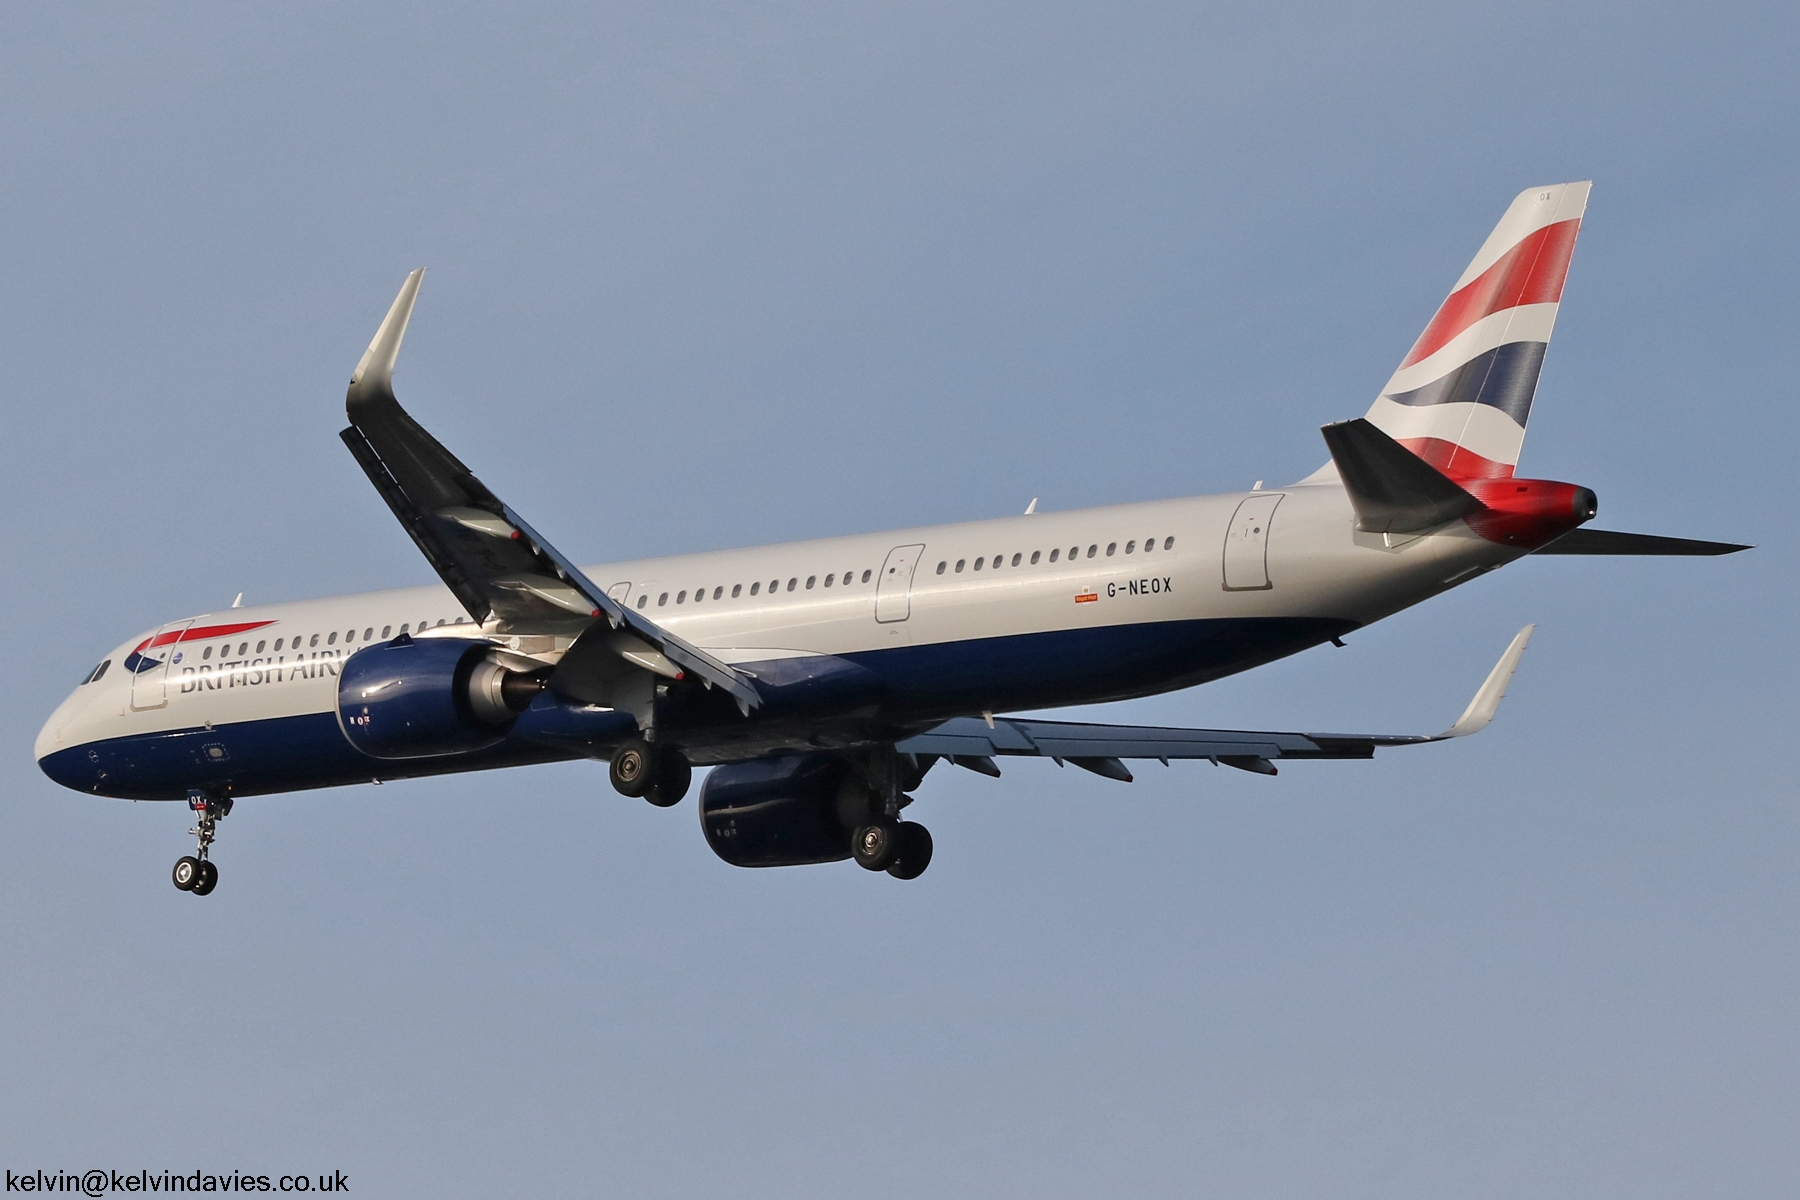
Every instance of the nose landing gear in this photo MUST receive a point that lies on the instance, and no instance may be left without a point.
(195, 872)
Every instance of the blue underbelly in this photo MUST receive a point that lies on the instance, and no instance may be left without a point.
(894, 687)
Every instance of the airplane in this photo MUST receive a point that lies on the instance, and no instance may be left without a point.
(821, 680)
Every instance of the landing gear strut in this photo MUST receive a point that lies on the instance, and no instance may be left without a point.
(195, 872)
(658, 774)
(885, 842)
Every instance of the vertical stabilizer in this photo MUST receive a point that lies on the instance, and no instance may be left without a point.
(1462, 395)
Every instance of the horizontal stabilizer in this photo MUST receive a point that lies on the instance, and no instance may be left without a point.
(1606, 541)
(1393, 489)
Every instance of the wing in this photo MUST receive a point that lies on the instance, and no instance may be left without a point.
(973, 742)
(496, 564)
(1606, 541)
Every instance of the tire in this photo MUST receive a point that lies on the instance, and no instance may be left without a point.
(673, 775)
(208, 880)
(874, 845)
(186, 873)
(914, 853)
(633, 768)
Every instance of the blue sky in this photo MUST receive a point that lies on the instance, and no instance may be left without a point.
(710, 275)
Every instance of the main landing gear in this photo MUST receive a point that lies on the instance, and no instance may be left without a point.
(195, 872)
(658, 774)
(901, 848)
(884, 842)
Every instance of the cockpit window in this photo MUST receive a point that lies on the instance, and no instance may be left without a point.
(97, 672)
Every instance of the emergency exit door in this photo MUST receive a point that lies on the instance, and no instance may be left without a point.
(1247, 544)
(893, 591)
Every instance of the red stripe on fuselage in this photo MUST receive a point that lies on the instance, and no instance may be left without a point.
(197, 633)
(1532, 272)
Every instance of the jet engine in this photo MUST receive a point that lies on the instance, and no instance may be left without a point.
(422, 698)
(783, 812)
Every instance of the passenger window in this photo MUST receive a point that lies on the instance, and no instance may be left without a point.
(1015, 561)
(978, 563)
(243, 649)
(404, 628)
(1074, 553)
(278, 642)
(718, 591)
(829, 578)
(206, 654)
(1112, 548)
(810, 580)
(865, 576)
(386, 631)
(332, 640)
(1093, 550)
(1168, 543)
(793, 583)
(681, 596)
(440, 621)
(1149, 545)
(1035, 555)
(737, 589)
(1054, 553)
(369, 633)
(662, 599)
(774, 586)
(314, 641)
(642, 600)
(1130, 546)
(756, 587)
(959, 565)
(261, 646)
(941, 567)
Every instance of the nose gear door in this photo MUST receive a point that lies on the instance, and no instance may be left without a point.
(893, 591)
(1247, 544)
(149, 665)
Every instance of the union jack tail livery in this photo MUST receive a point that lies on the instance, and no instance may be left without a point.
(1461, 397)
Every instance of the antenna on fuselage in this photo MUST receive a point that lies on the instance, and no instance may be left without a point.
(239, 602)
(1032, 507)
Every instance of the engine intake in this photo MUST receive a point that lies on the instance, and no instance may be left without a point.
(432, 696)
(783, 812)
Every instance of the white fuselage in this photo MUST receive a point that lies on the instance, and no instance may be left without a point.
(1228, 562)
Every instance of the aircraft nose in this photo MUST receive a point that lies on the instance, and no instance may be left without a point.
(57, 750)
(69, 768)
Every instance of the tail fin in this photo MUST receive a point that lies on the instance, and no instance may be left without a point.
(1463, 393)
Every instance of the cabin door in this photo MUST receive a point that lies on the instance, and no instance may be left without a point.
(149, 666)
(1247, 544)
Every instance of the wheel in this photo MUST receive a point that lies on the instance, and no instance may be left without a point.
(208, 878)
(874, 844)
(914, 852)
(187, 872)
(633, 768)
(673, 774)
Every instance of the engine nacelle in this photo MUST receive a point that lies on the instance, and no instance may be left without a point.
(427, 697)
(783, 812)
